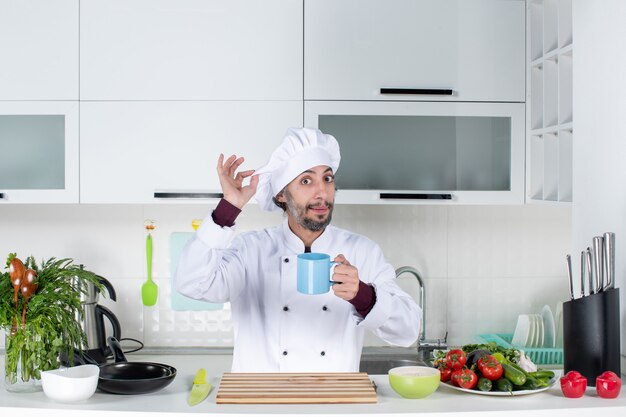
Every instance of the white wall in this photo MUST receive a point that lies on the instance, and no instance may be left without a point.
(482, 265)
(599, 138)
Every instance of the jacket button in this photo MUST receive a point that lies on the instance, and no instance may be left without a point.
(322, 353)
(285, 308)
(324, 308)
(284, 353)
(286, 260)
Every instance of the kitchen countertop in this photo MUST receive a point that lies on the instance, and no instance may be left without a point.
(172, 400)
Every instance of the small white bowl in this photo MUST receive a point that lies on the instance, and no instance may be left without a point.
(70, 384)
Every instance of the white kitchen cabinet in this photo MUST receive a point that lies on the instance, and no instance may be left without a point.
(550, 107)
(425, 152)
(191, 50)
(38, 152)
(473, 48)
(39, 50)
(131, 150)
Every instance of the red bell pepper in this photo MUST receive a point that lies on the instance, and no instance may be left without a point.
(608, 385)
(573, 384)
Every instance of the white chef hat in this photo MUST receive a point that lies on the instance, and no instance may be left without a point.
(301, 149)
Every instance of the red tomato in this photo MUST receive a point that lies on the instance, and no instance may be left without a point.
(455, 359)
(573, 384)
(456, 374)
(445, 373)
(490, 368)
(467, 379)
(608, 385)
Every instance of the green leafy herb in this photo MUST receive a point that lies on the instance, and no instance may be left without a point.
(51, 317)
(511, 354)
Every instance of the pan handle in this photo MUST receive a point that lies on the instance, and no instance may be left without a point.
(116, 349)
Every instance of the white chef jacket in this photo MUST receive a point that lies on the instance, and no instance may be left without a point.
(278, 329)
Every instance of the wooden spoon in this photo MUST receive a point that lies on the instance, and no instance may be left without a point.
(28, 288)
(16, 273)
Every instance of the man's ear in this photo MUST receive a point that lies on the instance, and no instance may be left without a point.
(280, 197)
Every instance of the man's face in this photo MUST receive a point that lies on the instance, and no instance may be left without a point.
(310, 198)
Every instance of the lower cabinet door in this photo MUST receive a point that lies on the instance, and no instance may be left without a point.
(153, 152)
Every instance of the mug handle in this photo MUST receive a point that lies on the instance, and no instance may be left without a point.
(333, 264)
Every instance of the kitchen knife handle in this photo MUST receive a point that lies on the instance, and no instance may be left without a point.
(418, 91)
(609, 259)
(583, 271)
(414, 196)
(568, 260)
(598, 261)
(589, 271)
(172, 195)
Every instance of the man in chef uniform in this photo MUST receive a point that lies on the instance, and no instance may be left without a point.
(276, 328)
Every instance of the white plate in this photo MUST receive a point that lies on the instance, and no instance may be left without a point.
(521, 335)
(534, 331)
(500, 393)
(559, 324)
(549, 327)
(540, 331)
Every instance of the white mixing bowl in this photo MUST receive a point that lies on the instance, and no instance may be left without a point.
(70, 384)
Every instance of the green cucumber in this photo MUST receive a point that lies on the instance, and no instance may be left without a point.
(531, 383)
(541, 374)
(516, 376)
(504, 385)
(484, 384)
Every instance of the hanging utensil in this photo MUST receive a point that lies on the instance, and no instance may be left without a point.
(609, 260)
(597, 259)
(568, 259)
(149, 290)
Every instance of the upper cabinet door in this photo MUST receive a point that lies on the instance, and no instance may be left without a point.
(38, 50)
(191, 50)
(465, 50)
(38, 152)
(149, 151)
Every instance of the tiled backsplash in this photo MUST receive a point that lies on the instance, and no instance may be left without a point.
(482, 265)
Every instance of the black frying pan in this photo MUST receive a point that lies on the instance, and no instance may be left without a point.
(123, 377)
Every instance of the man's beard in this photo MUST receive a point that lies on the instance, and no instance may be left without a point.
(299, 214)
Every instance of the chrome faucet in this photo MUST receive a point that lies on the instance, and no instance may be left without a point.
(424, 347)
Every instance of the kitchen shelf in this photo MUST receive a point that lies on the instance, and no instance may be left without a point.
(550, 128)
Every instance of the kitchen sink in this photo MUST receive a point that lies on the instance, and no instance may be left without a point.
(378, 364)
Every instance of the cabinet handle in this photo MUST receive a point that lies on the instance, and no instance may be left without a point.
(413, 196)
(161, 194)
(1, 196)
(419, 91)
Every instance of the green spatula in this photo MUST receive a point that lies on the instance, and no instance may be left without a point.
(149, 290)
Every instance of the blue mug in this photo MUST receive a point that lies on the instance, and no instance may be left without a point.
(314, 271)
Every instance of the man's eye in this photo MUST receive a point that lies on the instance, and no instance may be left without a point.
(329, 178)
(305, 181)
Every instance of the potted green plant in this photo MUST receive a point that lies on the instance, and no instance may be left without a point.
(39, 309)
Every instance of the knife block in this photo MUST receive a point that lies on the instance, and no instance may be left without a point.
(591, 335)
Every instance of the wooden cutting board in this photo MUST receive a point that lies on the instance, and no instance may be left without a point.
(296, 388)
